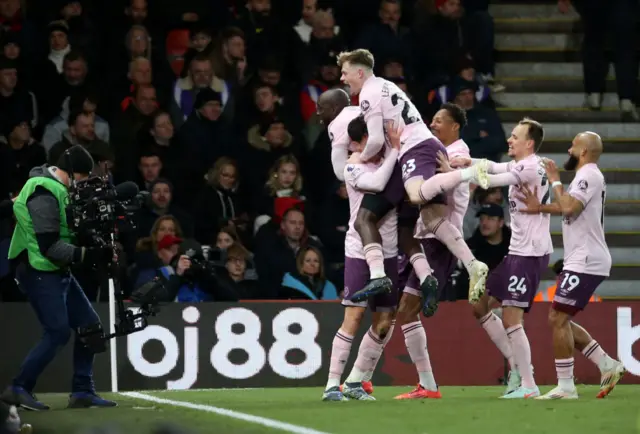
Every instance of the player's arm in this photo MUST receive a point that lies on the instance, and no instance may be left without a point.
(503, 179)
(339, 150)
(376, 139)
(375, 182)
(532, 204)
(45, 215)
(572, 204)
(493, 167)
(339, 156)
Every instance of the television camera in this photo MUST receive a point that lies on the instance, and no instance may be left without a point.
(97, 213)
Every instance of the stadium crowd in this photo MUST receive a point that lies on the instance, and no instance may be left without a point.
(210, 106)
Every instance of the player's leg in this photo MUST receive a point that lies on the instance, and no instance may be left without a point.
(415, 340)
(373, 343)
(369, 353)
(572, 296)
(434, 217)
(367, 383)
(356, 274)
(340, 350)
(611, 370)
(427, 283)
(421, 191)
(517, 296)
(373, 208)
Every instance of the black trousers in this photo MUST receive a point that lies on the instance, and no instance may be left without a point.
(613, 20)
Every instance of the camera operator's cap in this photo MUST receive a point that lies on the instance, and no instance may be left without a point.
(168, 241)
(491, 210)
(76, 159)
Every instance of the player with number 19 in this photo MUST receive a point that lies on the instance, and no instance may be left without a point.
(587, 262)
(515, 280)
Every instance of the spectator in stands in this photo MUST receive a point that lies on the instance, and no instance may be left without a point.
(450, 34)
(387, 38)
(276, 250)
(204, 137)
(150, 167)
(465, 70)
(11, 51)
(58, 46)
(19, 153)
(80, 28)
(218, 202)
(13, 18)
(161, 204)
(230, 59)
(14, 99)
(481, 197)
(200, 38)
(226, 237)
(164, 225)
(87, 103)
(304, 27)
(234, 277)
(82, 131)
(601, 20)
(489, 243)
(199, 76)
(267, 141)
(323, 40)
(483, 134)
(284, 180)
(309, 281)
(54, 91)
(127, 128)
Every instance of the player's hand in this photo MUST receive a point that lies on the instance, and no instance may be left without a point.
(460, 162)
(354, 158)
(184, 263)
(530, 200)
(551, 169)
(564, 6)
(394, 133)
(443, 163)
(484, 134)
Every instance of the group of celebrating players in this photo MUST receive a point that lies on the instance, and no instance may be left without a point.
(408, 187)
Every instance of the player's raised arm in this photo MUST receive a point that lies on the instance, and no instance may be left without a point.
(339, 154)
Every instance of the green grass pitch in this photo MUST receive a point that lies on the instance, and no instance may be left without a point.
(462, 410)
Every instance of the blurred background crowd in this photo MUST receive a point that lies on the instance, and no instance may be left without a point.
(209, 105)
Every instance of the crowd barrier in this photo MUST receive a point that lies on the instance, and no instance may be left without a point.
(287, 344)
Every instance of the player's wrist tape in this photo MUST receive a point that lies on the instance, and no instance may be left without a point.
(555, 184)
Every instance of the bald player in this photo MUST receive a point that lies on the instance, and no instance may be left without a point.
(335, 111)
(587, 262)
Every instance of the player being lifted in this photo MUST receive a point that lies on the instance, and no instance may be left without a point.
(361, 177)
(385, 106)
(446, 125)
(336, 113)
(587, 262)
(515, 281)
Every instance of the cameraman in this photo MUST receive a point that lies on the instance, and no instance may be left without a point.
(183, 281)
(42, 249)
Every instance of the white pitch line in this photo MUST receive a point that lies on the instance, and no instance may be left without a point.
(258, 420)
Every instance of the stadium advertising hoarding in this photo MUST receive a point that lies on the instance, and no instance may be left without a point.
(288, 344)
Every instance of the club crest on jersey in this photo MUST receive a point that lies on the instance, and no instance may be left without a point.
(520, 168)
(364, 105)
(583, 185)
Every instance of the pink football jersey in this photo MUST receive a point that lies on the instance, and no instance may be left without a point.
(585, 248)
(380, 97)
(530, 234)
(338, 134)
